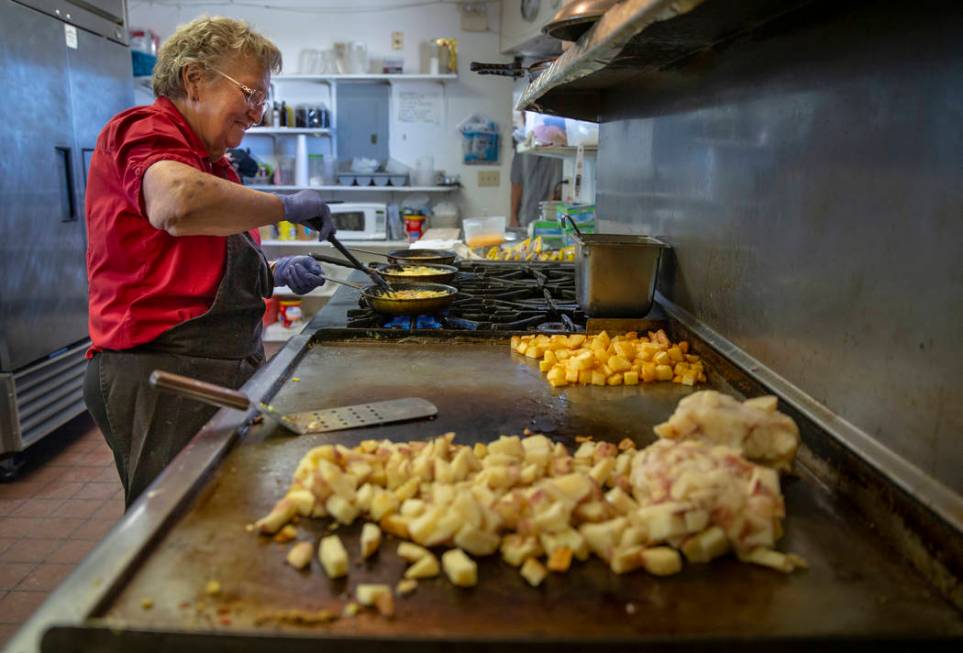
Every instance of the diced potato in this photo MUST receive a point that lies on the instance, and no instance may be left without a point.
(534, 572)
(395, 525)
(570, 539)
(675, 354)
(574, 487)
(598, 378)
(648, 372)
(406, 586)
(592, 511)
(550, 358)
(661, 561)
(630, 378)
(626, 559)
(286, 534)
(571, 375)
(300, 554)
(614, 379)
(618, 363)
(576, 340)
(460, 569)
(602, 469)
(412, 552)
(553, 520)
(545, 364)
(560, 560)
(341, 509)
(333, 556)
(706, 546)
(604, 537)
(370, 539)
(784, 562)
(425, 567)
(663, 373)
(383, 503)
(376, 595)
(281, 514)
(412, 508)
(557, 376)
(515, 548)
(476, 541)
(620, 500)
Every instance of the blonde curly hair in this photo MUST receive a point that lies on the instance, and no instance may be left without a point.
(209, 41)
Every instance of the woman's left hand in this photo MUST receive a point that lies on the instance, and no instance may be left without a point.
(302, 274)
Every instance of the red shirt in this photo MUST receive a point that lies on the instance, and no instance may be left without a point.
(143, 281)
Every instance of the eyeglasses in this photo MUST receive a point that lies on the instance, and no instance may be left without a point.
(254, 98)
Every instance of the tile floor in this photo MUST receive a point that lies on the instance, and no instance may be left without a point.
(65, 498)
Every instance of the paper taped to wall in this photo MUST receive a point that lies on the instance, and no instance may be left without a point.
(419, 107)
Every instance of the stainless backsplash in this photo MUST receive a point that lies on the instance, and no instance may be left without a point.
(810, 179)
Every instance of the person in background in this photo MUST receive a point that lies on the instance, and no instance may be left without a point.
(177, 279)
(534, 179)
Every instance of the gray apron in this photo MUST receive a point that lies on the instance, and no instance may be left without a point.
(146, 428)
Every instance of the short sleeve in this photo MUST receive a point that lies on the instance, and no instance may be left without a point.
(144, 143)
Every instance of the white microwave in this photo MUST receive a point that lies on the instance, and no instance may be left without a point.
(360, 221)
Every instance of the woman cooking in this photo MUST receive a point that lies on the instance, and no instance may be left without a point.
(177, 278)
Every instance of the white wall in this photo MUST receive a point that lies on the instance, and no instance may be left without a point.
(297, 24)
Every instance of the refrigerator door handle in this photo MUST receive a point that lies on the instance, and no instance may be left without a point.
(65, 162)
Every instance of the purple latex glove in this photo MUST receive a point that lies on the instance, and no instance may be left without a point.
(307, 207)
(302, 274)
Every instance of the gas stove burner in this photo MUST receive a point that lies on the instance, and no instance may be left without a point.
(495, 297)
(413, 322)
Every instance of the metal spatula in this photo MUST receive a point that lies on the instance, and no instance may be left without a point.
(311, 421)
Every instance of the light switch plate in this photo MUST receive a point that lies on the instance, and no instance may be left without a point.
(489, 178)
(397, 40)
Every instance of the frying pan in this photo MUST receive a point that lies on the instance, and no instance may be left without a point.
(388, 306)
(413, 256)
(392, 272)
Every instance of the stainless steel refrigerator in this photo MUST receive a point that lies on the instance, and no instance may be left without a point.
(65, 69)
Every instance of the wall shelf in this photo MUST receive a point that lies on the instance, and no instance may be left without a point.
(357, 189)
(365, 78)
(283, 131)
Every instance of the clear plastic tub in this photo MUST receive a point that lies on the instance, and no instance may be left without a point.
(484, 232)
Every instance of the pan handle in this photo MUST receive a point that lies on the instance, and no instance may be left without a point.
(358, 264)
(348, 284)
(368, 251)
(209, 393)
(321, 258)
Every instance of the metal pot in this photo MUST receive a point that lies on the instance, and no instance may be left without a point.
(615, 274)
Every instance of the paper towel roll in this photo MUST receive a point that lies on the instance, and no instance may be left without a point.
(301, 161)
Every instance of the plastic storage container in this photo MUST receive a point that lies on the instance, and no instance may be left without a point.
(484, 232)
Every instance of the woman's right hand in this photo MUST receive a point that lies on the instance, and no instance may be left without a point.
(306, 207)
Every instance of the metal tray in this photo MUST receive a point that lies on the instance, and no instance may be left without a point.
(857, 591)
